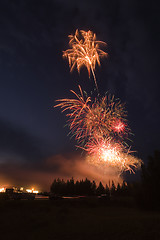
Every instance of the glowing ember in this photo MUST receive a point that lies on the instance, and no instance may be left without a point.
(118, 126)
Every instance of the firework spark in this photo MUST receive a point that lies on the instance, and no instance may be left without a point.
(85, 51)
(118, 126)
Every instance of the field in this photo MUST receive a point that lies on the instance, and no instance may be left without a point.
(71, 219)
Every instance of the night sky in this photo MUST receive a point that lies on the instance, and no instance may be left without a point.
(33, 74)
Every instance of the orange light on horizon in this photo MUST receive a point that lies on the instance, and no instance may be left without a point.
(32, 191)
(36, 191)
(2, 189)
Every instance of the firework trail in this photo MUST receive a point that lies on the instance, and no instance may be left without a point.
(85, 51)
(79, 108)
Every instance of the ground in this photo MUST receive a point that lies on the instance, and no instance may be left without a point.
(69, 219)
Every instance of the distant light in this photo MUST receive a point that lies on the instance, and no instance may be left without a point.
(29, 190)
(2, 189)
(32, 191)
(35, 191)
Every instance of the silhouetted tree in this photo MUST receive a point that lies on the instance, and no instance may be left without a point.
(94, 187)
(107, 191)
(118, 190)
(57, 186)
(85, 187)
(100, 190)
(113, 188)
(81, 185)
(71, 186)
(77, 188)
(124, 189)
(151, 180)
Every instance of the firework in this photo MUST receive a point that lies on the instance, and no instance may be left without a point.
(118, 126)
(85, 51)
(99, 125)
(94, 118)
(103, 118)
(104, 114)
(105, 153)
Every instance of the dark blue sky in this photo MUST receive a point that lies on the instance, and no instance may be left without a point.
(33, 74)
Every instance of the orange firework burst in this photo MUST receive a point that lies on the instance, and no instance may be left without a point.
(85, 51)
(88, 119)
(105, 153)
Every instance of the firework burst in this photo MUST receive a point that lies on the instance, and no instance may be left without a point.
(87, 118)
(105, 153)
(104, 114)
(85, 51)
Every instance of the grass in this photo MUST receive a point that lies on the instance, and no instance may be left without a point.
(36, 220)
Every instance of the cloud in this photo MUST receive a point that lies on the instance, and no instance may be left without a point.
(58, 166)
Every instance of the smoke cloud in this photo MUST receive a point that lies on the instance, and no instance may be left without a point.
(58, 166)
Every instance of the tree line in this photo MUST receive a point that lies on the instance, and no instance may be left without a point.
(145, 192)
(86, 187)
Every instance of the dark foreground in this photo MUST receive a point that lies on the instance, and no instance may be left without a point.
(71, 219)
